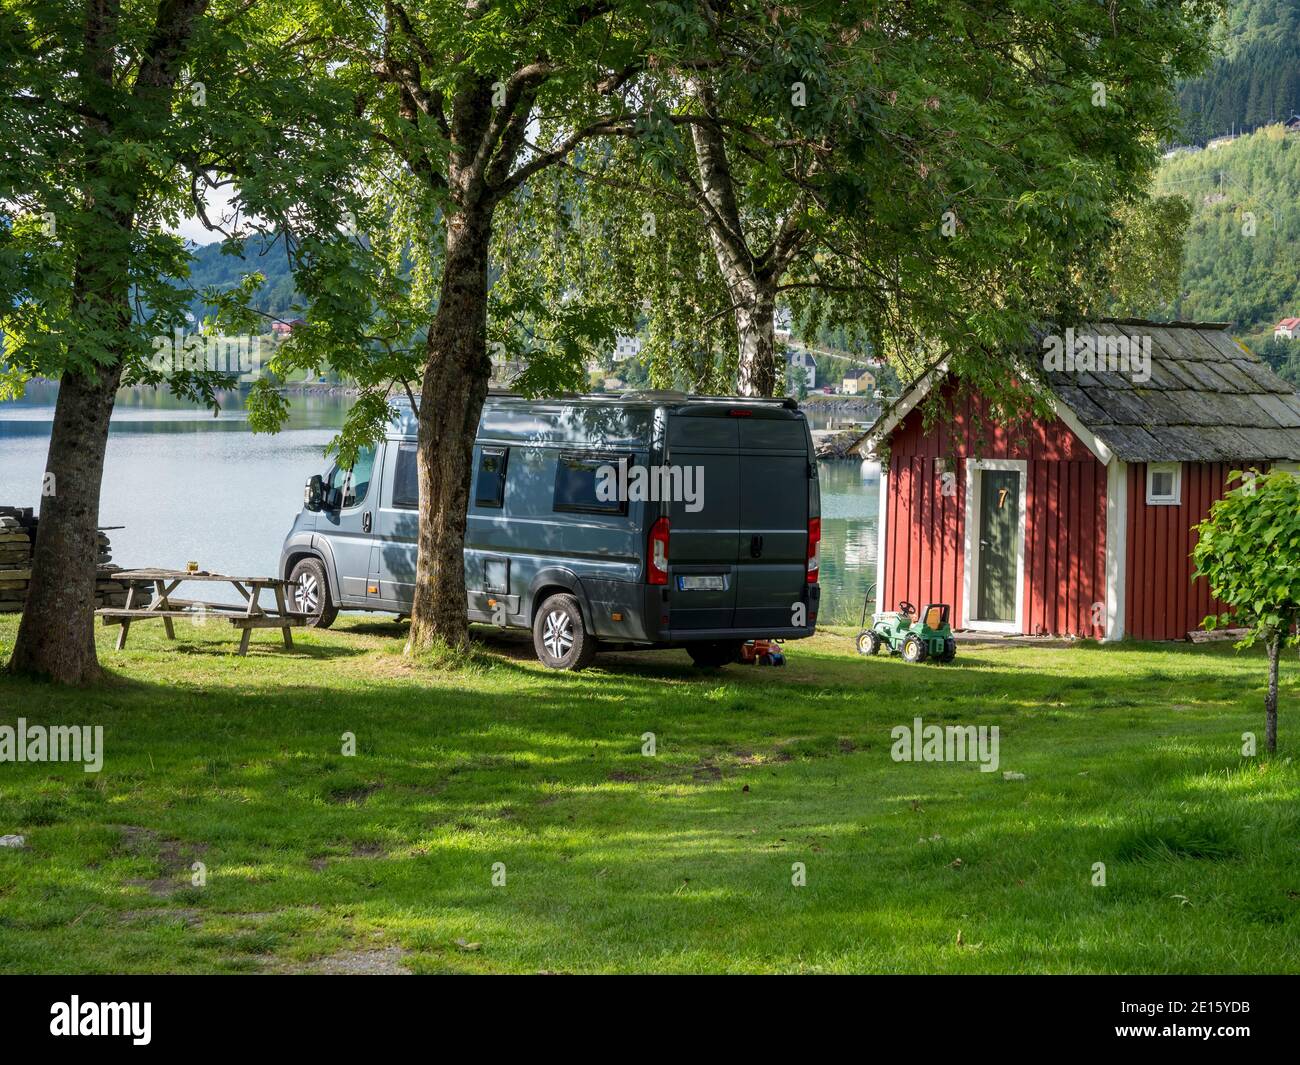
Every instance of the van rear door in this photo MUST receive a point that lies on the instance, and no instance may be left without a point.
(775, 497)
(702, 551)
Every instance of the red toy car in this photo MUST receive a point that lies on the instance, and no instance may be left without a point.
(764, 652)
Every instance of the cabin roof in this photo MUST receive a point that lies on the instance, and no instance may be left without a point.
(1207, 399)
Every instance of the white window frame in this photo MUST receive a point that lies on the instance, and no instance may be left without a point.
(1175, 498)
(970, 574)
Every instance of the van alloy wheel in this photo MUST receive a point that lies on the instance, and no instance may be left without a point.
(559, 636)
(558, 633)
(307, 594)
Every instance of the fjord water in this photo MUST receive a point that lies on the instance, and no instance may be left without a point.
(190, 486)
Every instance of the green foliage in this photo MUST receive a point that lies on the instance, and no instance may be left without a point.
(116, 115)
(372, 275)
(926, 193)
(1138, 273)
(1282, 355)
(1249, 551)
(1256, 78)
(1240, 262)
(222, 265)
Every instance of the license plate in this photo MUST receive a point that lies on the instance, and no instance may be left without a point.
(702, 584)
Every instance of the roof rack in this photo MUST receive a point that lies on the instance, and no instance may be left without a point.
(649, 395)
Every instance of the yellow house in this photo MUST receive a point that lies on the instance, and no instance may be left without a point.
(859, 382)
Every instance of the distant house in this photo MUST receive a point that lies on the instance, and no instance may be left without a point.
(1293, 124)
(283, 329)
(1079, 523)
(858, 383)
(626, 348)
(1287, 329)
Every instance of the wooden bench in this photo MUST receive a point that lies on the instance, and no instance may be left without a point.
(163, 605)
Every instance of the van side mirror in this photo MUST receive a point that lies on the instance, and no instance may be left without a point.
(313, 492)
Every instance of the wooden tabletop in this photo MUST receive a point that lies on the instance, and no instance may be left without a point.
(185, 575)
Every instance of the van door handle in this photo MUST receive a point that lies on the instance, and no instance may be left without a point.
(755, 547)
(365, 521)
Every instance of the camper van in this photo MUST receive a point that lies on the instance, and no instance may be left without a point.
(644, 520)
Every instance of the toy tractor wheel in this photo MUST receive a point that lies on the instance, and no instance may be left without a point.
(868, 642)
(913, 649)
(949, 651)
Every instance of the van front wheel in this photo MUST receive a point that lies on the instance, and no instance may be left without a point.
(558, 636)
(309, 591)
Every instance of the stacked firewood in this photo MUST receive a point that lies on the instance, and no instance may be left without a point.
(17, 539)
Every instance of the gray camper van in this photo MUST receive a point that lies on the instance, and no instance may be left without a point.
(651, 519)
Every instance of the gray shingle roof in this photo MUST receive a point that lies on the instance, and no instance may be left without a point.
(1206, 398)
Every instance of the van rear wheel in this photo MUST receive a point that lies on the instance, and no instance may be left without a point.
(310, 592)
(558, 636)
(714, 653)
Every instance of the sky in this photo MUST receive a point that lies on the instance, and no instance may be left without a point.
(216, 202)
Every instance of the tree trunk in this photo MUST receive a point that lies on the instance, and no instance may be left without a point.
(56, 637)
(455, 385)
(1270, 700)
(756, 373)
(751, 282)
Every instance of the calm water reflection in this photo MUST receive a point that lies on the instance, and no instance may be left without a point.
(190, 486)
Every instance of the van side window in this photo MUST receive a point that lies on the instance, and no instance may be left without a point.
(490, 484)
(406, 479)
(576, 482)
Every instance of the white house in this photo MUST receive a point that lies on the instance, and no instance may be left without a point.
(626, 348)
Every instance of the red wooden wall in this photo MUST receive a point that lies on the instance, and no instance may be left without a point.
(1162, 601)
(1065, 527)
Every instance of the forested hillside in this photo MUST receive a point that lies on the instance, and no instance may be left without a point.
(1256, 80)
(1242, 258)
(276, 298)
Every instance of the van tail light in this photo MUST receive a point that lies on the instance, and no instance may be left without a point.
(814, 549)
(657, 566)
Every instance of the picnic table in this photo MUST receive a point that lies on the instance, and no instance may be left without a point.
(166, 606)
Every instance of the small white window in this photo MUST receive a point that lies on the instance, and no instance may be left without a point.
(1164, 484)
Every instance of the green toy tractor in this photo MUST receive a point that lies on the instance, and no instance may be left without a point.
(916, 639)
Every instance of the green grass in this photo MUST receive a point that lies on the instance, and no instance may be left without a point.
(679, 862)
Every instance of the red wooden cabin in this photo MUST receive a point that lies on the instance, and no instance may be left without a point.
(1079, 524)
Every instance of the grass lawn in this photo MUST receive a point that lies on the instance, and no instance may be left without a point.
(615, 861)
